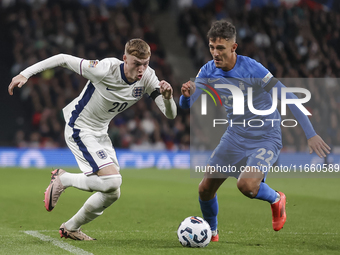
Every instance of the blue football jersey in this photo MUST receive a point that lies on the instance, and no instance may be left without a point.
(246, 73)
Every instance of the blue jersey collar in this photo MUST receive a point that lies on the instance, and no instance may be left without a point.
(123, 74)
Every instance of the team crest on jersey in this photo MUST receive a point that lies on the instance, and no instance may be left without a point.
(93, 63)
(101, 154)
(241, 85)
(138, 92)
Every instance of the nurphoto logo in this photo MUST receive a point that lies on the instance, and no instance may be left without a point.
(236, 101)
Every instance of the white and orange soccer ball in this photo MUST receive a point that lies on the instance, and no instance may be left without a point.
(194, 232)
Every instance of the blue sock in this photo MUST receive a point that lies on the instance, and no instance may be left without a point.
(266, 193)
(210, 210)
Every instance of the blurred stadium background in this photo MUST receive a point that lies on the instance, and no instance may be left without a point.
(292, 38)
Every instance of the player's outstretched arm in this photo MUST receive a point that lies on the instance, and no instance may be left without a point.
(187, 90)
(17, 81)
(318, 145)
(75, 64)
(165, 101)
(315, 142)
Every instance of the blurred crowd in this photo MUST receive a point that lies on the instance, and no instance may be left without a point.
(90, 32)
(295, 42)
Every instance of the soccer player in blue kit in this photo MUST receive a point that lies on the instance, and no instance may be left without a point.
(244, 147)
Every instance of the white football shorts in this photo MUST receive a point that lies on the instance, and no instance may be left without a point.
(92, 152)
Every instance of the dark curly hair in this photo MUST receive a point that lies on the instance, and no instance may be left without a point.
(222, 29)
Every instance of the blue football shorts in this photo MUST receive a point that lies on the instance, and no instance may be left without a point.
(234, 153)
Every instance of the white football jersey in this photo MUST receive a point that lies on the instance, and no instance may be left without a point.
(106, 94)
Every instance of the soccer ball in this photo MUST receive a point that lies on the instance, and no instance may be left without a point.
(194, 232)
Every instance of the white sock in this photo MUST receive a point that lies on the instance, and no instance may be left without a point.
(106, 183)
(92, 208)
(278, 197)
(214, 232)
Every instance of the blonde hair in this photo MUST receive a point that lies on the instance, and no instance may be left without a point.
(138, 48)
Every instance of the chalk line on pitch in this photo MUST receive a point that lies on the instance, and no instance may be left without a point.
(60, 244)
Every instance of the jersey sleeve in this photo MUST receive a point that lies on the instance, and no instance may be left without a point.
(202, 75)
(64, 60)
(200, 80)
(151, 82)
(298, 114)
(94, 70)
(260, 75)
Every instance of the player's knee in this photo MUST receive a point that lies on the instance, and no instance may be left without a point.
(113, 196)
(247, 187)
(106, 199)
(111, 183)
(205, 193)
(110, 198)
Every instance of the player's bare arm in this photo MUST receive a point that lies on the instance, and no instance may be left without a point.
(317, 144)
(17, 81)
(188, 89)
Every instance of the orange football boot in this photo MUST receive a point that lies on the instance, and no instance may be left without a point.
(279, 212)
(214, 238)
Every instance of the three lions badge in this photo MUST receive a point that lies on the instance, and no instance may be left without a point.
(101, 154)
(138, 92)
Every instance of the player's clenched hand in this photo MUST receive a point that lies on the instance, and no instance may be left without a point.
(17, 81)
(165, 89)
(188, 88)
(318, 145)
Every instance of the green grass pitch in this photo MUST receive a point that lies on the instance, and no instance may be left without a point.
(153, 203)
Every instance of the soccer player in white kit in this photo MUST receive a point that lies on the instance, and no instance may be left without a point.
(113, 86)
